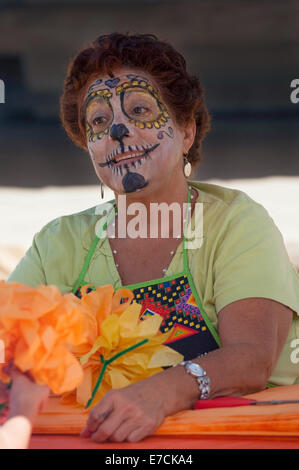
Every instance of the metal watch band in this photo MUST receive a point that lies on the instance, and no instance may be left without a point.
(203, 381)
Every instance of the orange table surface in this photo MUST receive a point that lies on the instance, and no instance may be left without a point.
(248, 421)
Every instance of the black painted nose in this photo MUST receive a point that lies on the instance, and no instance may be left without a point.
(118, 132)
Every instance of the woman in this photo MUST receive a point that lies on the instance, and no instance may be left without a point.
(231, 297)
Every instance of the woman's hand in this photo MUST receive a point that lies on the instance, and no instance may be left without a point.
(136, 411)
(26, 398)
(127, 414)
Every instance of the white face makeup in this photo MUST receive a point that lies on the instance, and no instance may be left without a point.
(132, 138)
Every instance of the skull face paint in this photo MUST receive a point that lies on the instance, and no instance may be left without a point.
(123, 117)
(100, 114)
(151, 111)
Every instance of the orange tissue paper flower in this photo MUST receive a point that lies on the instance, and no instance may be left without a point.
(40, 326)
(61, 339)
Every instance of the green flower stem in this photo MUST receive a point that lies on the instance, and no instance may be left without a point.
(106, 364)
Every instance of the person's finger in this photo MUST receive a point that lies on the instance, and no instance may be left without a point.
(124, 430)
(85, 433)
(15, 433)
(98, 416)
(109, 426)
(138, 434)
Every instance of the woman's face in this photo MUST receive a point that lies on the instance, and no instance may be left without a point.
(132, 137)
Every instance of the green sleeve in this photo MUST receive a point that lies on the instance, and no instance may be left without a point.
(29, 270)
(251, 260)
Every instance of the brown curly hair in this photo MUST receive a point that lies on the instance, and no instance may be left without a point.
(182, 93)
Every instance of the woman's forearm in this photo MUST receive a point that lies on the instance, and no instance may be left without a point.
(233, 370)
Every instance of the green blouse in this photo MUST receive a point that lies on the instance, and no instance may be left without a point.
(241, 254)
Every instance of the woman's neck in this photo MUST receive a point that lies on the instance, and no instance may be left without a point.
(168, 201)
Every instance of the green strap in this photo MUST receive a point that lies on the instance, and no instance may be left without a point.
(192, 285)
(188, 219)
(80, 280)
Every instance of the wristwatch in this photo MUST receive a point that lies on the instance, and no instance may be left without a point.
(201, 376)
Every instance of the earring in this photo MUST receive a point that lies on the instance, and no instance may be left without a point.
(102, 190)
(187, 166)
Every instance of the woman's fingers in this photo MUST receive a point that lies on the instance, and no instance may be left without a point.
(124, 431)
(108, 427)
(138, 434)
(85, 433)
(130, 413)
(97, 416)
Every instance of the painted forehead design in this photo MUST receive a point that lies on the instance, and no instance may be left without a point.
(113, 82)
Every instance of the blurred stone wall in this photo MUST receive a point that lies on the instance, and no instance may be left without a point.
(246, 53)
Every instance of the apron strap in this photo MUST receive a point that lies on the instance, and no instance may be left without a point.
(188, 218)
(80, 280)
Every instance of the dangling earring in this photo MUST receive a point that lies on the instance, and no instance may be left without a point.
(187, 166)
(102, 190)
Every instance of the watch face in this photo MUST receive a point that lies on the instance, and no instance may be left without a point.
(196, 369)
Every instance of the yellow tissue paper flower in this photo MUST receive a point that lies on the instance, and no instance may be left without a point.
(118, 333)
